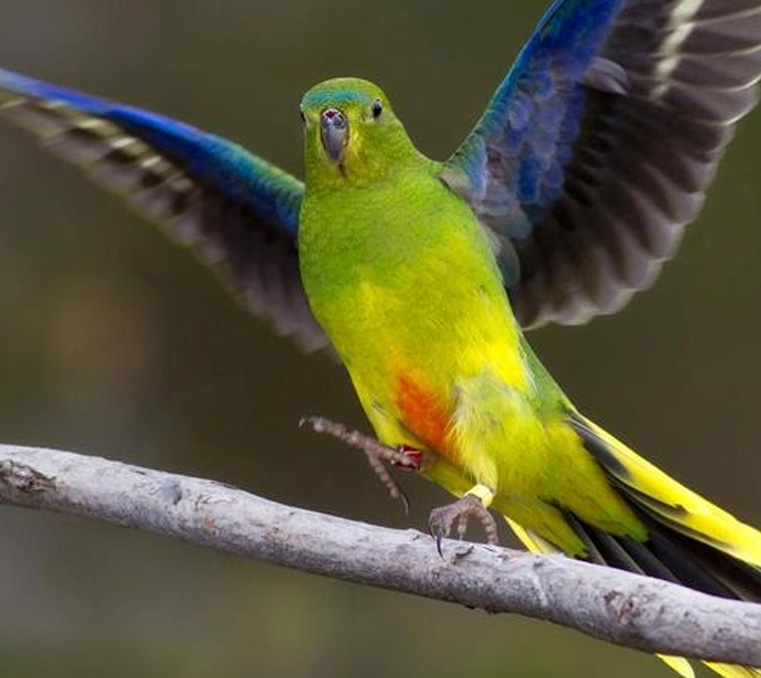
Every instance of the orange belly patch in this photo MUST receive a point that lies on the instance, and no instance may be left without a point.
(423, 414)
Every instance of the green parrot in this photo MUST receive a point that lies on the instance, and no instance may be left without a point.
(564, 200)
(403, 277)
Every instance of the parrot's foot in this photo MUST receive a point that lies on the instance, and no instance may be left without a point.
(378, 454)
(442, 519)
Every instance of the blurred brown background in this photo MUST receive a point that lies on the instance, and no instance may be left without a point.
(115, 342)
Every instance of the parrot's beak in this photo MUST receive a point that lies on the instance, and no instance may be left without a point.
(334, 133)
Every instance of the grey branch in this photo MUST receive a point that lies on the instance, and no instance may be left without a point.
(622, 608)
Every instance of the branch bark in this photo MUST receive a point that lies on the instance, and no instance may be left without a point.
(622, 608)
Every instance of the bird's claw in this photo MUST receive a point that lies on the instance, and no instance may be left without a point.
(378, 454)
(443, 519)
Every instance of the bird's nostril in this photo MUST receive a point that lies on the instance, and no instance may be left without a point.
(333, 117)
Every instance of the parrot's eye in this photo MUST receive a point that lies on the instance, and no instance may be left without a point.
(377, 108)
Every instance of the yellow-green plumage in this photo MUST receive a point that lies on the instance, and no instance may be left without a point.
(569, 193)
(402, 276)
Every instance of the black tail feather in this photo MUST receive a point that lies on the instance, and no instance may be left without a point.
(673, 551)
(671, 556)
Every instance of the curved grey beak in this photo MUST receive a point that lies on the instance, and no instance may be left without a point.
(334, 131)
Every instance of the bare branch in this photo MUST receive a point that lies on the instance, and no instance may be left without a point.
(622, 608)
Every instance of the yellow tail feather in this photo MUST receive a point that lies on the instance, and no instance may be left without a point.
(734, 671)
(681, 508)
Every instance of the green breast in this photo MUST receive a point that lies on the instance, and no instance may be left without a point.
(401, 275)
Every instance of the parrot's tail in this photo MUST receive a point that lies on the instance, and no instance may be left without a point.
(691, 541)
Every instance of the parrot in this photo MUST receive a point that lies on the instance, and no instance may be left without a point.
(422, 277)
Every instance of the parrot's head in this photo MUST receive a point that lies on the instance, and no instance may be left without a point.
(351, 133)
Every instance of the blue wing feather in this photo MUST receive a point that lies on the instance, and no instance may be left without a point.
(210, 192)
(231, 169)
(208, 158)
(535, 114)
(597, 147)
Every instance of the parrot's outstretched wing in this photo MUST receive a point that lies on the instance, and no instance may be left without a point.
(239, 211)
(598, 146)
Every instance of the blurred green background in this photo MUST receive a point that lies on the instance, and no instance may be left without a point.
(117, 343)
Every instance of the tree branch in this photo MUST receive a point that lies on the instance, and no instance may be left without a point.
(622, 608)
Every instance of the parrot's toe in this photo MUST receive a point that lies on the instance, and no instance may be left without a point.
(443, 519)
(378, 454)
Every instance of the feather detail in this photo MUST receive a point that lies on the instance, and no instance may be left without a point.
(423, 414)
(598, 147)
(238, 212)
